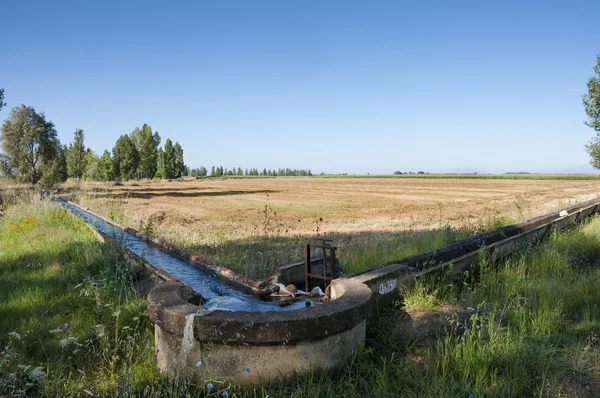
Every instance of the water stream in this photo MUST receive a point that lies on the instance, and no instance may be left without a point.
(216, 294)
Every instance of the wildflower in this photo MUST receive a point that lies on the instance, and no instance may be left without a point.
(198, 364)
(67, 341)
(248, 370)
(15, 335)
(158, 369)
(65, 325)
(37, 373)
(157, 350)
(224, 393)
(154, 360)
(209, 386)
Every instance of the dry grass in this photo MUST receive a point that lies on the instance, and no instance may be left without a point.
(266, 221)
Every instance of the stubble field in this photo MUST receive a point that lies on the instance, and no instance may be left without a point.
(251, 224)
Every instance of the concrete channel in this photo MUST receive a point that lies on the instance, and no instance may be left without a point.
(204, 313)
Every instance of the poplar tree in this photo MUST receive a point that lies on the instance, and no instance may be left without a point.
(147, 144)
(105, 170)
(61, 163)
(169, 159)
(179, 165)
(160, 164)
(76, 156)
(125, 158)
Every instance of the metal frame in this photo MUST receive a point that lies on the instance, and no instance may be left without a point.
(325, 246)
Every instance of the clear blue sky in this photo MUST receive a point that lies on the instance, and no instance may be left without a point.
(334, 86)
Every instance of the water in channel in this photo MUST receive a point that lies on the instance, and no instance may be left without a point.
(216, 294)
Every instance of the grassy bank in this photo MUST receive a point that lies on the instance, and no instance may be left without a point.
(72, 324)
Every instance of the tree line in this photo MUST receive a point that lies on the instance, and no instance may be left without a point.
(221, 171)
(33, 153)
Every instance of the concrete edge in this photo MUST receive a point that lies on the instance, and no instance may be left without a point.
(168, 308)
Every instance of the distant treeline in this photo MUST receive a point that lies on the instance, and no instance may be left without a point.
(409, 172)
(224, 171)
(475, 176)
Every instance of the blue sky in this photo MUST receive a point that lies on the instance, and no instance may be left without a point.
(334, 86)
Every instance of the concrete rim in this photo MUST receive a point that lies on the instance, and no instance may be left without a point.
(168, 309)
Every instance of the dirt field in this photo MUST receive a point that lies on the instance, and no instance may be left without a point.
(237, 206)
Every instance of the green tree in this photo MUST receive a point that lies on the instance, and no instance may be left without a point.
(61, 165)
(179, 165)
(76, 156)
(2, 103)
(146, 143)
(202, 171)
(125, 158)
(104, 169)
(93, 165)
(6, 168)
(170, 165)
(591, 101)
(160, 164)
(212, 171)
(29, 142)
(55, 169)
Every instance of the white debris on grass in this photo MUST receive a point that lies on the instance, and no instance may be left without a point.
(67, 341)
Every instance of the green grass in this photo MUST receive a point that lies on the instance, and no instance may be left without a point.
(536, 331)
(537, 328)
(59, 284)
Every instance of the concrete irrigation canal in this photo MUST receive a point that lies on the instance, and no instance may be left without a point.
(233, 325)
